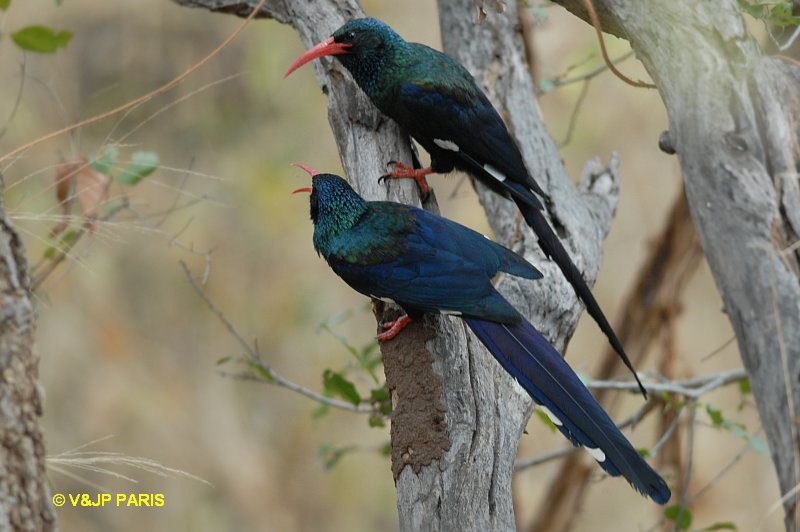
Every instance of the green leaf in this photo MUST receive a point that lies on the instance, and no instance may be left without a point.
(758, 445)
(644, 452)
(371, 358)
(41, 39)
(778, 13)
(386, 450)
(759, 10)
(737, 429)
(744, 386)
(331, 455)
(336, 384)
(781, 15)
(224, 360)
(376, 421)
(539, 12)
(112, 207)
(545, 419)
(320, 411)
(4, 4)
(342, 340)
(106, 162)
(680, 515)
(720, 526)
(547, 85)
(368, 357)
(379, 395)
(142, 164)
(261, 371)
(715, 415)
(56, 251)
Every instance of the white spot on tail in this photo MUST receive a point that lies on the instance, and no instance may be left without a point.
(550, 415)
(384, 299)
(446, 144)
(597, 454)
(495, 173)
(450, 312)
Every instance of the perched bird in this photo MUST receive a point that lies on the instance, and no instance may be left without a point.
(428, 264)
(437, 101)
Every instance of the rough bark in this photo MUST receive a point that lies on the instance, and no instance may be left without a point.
(24, 493)
(465, 482)
(734, 119)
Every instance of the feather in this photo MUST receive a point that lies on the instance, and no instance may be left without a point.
(540, 370)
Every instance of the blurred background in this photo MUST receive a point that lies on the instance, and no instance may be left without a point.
(129, 350)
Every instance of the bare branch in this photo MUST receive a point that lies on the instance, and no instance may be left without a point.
(561, 81)
(691, 388)
(272, 377)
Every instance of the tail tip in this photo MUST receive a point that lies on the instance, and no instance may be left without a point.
(659, 492)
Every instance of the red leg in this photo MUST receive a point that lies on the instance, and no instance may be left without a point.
(402, 171)
(393, 328)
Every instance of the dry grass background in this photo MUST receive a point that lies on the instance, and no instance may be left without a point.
(127, 349)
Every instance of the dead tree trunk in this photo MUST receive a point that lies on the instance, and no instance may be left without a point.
(734, 118)
(455, 438)
(24, 494)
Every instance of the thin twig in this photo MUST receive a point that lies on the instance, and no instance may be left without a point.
(788, 44)
(142, 99)
(598, 30)
(689, 463)
(693, 388)
(255, 358)
(173, 104)
(718, 350)
(667, 433)
(780, 502)
(744, 449)
(15, 108)
(592, 73)
(39, 277)
(573, 118)
(542, 458)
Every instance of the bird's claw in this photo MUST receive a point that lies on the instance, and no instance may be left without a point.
(403, 171)
(392, 328)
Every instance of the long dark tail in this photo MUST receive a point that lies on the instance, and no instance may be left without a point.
(552, 247)
(538, 368)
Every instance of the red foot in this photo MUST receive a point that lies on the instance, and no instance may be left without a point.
(403, 171)
(393, 328)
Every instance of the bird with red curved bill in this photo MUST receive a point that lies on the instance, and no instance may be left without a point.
(428, 264)
(438, 103)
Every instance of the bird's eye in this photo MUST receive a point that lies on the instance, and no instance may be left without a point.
(350, 35)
